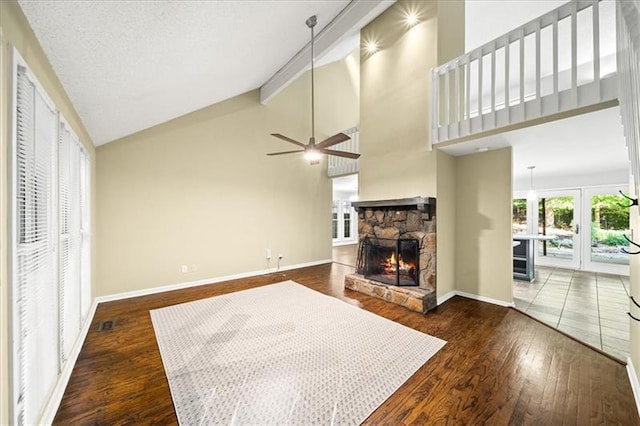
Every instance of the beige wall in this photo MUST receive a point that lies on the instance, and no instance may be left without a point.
(446, 223)
(394, 98)
(395, 94)
(200, 190)
(483, 224)
(16, 32)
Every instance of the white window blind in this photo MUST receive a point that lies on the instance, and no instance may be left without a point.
(51, 240)
(85, 234)
(34, 291)
(70, 239)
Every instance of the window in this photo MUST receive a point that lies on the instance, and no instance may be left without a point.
(334, 221)
(519, 223)
(34, 287)
(346, 212)
(50, 282)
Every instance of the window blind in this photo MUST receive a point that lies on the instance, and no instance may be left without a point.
(69, 225)
(85, 234)
(51, 240)
(35, 290)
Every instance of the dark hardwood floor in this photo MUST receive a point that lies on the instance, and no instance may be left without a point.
(498, 367)
(345, 255)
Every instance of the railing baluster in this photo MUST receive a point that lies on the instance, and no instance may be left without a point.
(493, 79)
(538, 76)
(480, 61)
(467, 103)
(435, 106)
(457, 115)
(555, 55)
(596, 44)
(447, 100)
(521, 82)
(507, 63)
(574, 53)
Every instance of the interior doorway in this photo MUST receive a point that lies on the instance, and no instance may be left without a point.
(344, 222)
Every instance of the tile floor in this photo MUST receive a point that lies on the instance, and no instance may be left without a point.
(589, 306)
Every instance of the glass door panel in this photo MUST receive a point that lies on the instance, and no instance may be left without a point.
(559, 219)
(609, 219)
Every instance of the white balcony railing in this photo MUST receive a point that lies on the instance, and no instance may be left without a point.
(561, 61)
(628, 38)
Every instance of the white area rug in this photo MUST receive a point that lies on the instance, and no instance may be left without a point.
(283, 354)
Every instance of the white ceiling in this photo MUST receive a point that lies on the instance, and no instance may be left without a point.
(489, 19)
(590, 143)
(129, 65)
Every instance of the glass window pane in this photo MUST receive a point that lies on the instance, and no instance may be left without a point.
(555, 218)
(519, 223)
(609, 224)
(347, 224)
(334, 221)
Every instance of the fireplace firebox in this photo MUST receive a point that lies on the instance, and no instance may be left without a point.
(391, 261)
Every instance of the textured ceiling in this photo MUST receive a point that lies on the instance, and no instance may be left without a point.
(129, 65)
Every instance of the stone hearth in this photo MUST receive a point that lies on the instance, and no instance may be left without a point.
(409, 218)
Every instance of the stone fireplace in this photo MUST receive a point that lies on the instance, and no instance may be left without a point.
(397, 252)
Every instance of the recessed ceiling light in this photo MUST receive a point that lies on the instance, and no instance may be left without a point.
(411, 18)
(371, 47)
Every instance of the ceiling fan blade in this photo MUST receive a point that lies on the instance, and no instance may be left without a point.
(333, 140)
(284, 138)
(286, 152)
(340, 153)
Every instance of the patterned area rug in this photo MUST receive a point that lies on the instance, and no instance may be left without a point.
(283, 354)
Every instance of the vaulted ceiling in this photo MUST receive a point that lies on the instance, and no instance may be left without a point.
(129, 65)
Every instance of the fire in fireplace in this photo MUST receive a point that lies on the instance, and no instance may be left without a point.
(391, 261)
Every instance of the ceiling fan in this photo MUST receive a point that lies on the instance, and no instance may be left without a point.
(313, 151)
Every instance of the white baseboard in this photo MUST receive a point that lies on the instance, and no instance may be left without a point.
(346, 243)
(635, 385)
(179, 286)
(446, 297)
(55, 399)
(452, 293)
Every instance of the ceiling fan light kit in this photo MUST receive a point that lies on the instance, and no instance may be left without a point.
(312, 151)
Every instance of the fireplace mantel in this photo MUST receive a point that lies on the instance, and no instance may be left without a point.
(420, 202)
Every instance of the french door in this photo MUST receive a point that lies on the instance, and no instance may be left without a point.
(586, 228)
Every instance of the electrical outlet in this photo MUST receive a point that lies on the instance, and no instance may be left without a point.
(184, 269)
(280, 256)
(268, 253)
(194, 267)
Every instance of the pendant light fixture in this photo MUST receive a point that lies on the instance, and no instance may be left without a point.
(531, 195)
